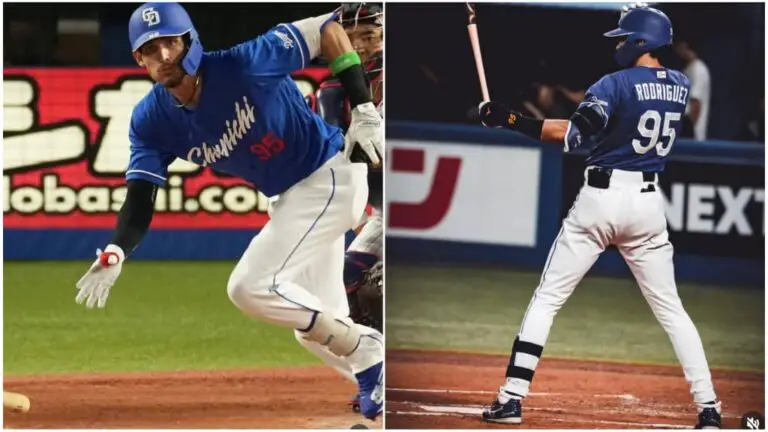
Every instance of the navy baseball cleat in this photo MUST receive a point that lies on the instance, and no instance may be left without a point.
(709, 416)
(510, 412)
(355, 403)
(371, 390)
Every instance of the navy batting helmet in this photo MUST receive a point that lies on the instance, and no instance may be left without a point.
(155, 20)
(646, 29)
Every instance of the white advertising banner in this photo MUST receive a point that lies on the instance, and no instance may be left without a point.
(463, 192)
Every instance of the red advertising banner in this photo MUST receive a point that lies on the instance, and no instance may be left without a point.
(66, 149)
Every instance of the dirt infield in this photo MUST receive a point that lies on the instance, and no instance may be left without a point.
(296, 398)
(440, 390)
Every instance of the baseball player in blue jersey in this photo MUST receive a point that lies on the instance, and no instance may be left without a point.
(239, 111)
(629, 121)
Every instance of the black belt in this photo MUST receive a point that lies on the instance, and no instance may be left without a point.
(600, 178)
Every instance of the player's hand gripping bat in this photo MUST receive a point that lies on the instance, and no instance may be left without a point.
(475, 40)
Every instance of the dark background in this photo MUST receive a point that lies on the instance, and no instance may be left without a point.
(433, 65)
(35, 35)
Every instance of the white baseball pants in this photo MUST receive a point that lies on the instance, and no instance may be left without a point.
(635, 222)
(294, 267)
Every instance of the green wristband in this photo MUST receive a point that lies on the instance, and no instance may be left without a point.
(345, 61)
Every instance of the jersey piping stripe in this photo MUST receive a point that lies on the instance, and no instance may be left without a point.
(145, 172)
(274, 287)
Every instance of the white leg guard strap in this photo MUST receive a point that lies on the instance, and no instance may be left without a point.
(341, 336)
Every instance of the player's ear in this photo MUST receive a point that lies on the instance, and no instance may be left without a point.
(137, 57)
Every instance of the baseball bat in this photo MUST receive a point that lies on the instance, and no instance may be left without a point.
(15, 401)
(475, 40)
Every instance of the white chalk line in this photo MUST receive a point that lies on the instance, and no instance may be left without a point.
(653, 409)
(440, 391)
(625, 396)
(477, 409)
(606, 422)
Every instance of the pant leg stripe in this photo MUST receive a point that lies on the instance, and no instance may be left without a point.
(311, 227)
(274, 287)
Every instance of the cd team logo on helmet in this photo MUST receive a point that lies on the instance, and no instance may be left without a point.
(155, 20)
(150, 16)
(645, 29)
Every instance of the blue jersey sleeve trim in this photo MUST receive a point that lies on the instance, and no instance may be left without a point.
(145, 175)
(299, 38)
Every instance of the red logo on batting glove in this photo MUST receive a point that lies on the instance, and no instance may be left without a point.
(108, 259)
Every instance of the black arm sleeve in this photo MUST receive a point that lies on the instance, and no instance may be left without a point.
(589, 121)
(355, 85)
(525, 125)
(135, 215)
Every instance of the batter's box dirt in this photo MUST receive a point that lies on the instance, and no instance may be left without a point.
(441, 390)
(296, 398)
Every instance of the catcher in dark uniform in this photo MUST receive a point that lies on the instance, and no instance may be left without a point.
(363, 269)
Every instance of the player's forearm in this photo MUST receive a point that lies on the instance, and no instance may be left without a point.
(135, 215)
(548, 130)
(345, 63)
(497, 115)
(334, 41)
(554, 130)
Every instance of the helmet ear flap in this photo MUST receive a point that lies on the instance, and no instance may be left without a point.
(191, 61)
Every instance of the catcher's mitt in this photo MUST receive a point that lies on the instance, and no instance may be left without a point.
(366, 304)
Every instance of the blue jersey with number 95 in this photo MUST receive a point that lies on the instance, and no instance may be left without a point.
(644, 108)
(252, 121)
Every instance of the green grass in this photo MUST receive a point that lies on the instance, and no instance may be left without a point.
(160, 316)
(606, 318)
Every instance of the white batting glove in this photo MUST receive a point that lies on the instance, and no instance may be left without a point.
(93, 287)
(365, 131)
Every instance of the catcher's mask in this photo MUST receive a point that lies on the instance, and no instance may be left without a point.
(364, 23)
(352, 14)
